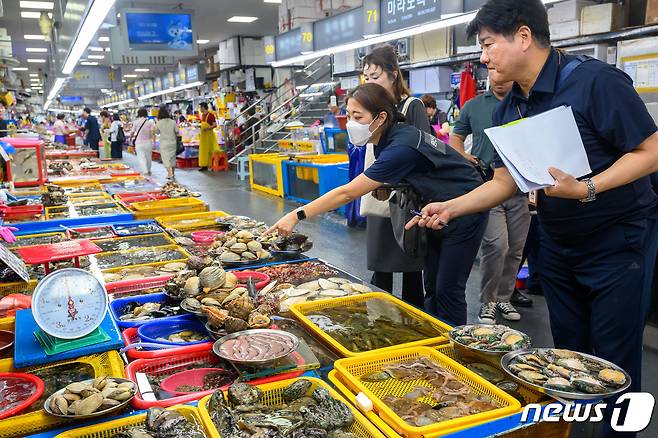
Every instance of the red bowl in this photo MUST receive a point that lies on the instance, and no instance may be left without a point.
(38, 391)
(260, 278)
(205, 236)
(193, 377)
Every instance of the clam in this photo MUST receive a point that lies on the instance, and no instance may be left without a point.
(254, 246)
(230, 281)
(235, 293)
(212, 277)
(311, 285)
(262, 254)
(192, 304)
(326, 284)
(238, 248)
(360, 288)
(330, 293)
(247, 235)
(88, 405)
(248, 255)
(208, 301)
(59, 405)
(192, 286)
(339, 280)
(612, 377)
(229, 256)
(78, 387)
(173, 267)
(230, 242)
(298, 292)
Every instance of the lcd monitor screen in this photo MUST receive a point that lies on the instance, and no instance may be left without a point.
(160, 31)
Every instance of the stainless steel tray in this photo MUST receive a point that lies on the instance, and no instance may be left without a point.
(119, 380)
(218, 344)
(507, 358)
(468, 351)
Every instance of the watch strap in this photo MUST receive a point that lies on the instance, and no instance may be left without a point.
(591, 190)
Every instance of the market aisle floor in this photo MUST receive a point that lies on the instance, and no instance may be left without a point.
(345, 248)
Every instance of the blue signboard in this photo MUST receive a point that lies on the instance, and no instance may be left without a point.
(400, 14)
(192, 74)
(339, 29)
(71, 99)
(289, 44)
(159, 31)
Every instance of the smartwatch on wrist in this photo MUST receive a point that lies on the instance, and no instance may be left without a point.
(591, 191)
(301, 214)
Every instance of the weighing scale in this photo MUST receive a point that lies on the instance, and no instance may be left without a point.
(69, 306)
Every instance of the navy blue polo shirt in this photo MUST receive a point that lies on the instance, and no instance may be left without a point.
(612, 120)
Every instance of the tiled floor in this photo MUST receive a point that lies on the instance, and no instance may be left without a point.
(345, 248)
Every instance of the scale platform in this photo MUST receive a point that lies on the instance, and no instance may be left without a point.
(30, 352)
(52, 345)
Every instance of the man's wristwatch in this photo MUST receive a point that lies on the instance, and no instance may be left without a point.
(301, 214)
(591, 190)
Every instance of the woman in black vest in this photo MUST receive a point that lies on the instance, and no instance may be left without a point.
(434, 171)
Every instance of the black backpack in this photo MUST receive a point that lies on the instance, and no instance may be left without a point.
(121, 136)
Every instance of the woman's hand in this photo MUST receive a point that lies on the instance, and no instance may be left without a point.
(285, 225)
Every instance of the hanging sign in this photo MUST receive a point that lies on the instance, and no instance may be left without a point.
(400, 14)
(270, 51)
(371, 17)
(340, 29)
(307, 37)
(289, 44)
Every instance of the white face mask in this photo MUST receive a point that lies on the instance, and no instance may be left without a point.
(359, 134)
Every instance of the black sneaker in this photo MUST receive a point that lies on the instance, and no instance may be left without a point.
(203, 169)
(487, 313)
(509, 312)
(519, 299)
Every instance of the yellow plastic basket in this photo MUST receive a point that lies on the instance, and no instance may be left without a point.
(258, 173)
(54, 212)
(111, 428)
(300, 311)
(183, 258)
(190, 221)
(273, 396)
(20, 239)
(105, 364)
(8, 323)
(90, 198)
(163, 207)
(18, 287)
(350, 371)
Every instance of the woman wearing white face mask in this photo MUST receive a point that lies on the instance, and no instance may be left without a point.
(434, 171)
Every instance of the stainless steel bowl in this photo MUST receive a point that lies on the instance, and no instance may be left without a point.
(506, 359)
(218, 344)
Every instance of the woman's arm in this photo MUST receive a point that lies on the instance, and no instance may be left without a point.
(338, 197)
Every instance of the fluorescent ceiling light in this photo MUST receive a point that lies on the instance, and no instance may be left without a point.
(123, 81)
(34, 37)
(122, 102)
(89, 63)
(107, 49)
(34, 14)
(105, 39)
(319, 93)
(241, 19)
(29, 90)
(96, 56)
(59, 82)
(129, 76)
(36, 60)
(273, 1)
(96, 49)
(171, 90)
(202, 41)
(19, 69)
(34, 75)
(36, 50)
(142, 69)
(37, 5)
(92, 22)
(318, 85)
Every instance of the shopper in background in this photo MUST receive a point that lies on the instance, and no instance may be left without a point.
(507, 229)
(208, 140)
(168, 131)
(384, 255)
(4, 132)
(593, 252)
(144, 140)
(59, 128)
(116, 137)
(432, 169)
(92, 133)
(438, 119)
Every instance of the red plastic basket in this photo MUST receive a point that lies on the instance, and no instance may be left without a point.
(179, 362)
(137, 284)
(184, 163)
(38, 391)
(129, 336)
(243, 276)
(20, 211)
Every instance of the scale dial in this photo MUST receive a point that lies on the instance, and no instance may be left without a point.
(69, 303)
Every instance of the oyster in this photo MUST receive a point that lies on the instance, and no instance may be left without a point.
(295, 390)
(240, 307)
(233, 325)
(192, 304)
(216, 317)
(244, 394)
(612, 377)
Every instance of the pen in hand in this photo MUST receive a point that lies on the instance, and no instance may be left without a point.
(419, 214)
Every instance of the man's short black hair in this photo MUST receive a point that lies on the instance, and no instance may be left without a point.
(204, 105)
(87, 110)
(506, 16)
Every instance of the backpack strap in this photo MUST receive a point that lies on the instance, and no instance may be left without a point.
(570, 67)
(407, 102)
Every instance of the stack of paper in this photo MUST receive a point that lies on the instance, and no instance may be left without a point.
(528, 147)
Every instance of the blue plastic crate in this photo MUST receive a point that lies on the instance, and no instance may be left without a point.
(152, 330)
(116, 309)
(59, 224)
(330, 176)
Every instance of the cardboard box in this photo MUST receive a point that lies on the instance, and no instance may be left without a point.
(652, 12)
(567, 11)
(603, 18)
(561, 31)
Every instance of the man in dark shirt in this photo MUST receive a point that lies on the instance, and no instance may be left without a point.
(593, 251)
(92, 130)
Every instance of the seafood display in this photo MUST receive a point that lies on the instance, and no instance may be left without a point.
(238, 246)
(304, 413)
(436, 395)
(36, 240)
(211, 380)
(256, 346)
(128, 230)
(132, 273)
(91, 397)
(164, 423)
(565, 372)
(489, 338)
(333, 287)
(137, 242)
(91, 233)
(241, 223)
(59, 168)
(185, 336)
(54, 196)
(174, 190)
(371, 324)
(138, 257)
(296, 242)
(134, 311)
(98, 209)
(298, 273)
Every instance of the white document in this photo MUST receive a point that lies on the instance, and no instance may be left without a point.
(530, 146)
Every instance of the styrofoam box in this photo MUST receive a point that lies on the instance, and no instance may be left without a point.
(567, 11)
(569, 29)
(603, 18)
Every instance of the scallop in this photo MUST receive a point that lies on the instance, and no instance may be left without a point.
(511, 338)
(483, 331)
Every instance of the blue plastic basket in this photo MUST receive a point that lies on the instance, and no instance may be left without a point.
(116, 309)
(53, 226)
(152, 330)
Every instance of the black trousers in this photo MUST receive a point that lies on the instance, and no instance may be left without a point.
(594, 288)
(531, 254)
(448, 265)
(116, 149)
(412, 286)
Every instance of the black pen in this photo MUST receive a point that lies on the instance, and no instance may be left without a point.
(419, 214)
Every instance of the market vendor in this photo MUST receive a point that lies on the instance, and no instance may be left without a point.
(207, 138)
(434, 170)
(592, 230)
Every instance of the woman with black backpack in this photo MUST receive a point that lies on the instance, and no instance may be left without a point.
(117, 137)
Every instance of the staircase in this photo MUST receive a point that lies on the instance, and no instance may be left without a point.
(305, 103)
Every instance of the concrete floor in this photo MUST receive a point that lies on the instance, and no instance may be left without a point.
(344, 247)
